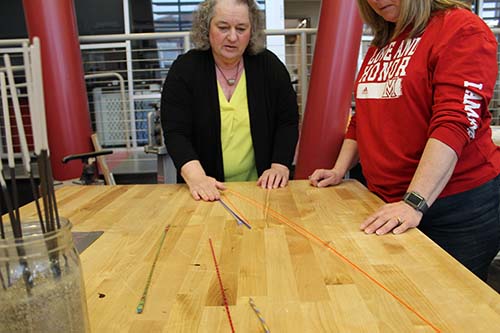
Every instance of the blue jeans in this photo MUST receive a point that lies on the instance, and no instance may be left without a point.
(467, 226)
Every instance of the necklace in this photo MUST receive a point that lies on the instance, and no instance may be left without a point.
(230, 81)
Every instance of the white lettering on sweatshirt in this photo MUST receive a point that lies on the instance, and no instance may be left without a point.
(383, 74)
(472, 104)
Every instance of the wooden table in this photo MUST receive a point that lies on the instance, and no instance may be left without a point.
(401, 283)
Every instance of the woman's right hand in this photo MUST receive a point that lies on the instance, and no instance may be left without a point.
(325, 177)
(205, 188)
(200, 185)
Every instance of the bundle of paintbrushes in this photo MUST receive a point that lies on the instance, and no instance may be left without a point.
(39, 267)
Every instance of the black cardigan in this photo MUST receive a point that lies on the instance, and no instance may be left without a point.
(190, 111)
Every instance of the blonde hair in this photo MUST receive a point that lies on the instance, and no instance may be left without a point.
(206, 11)
(412, 12)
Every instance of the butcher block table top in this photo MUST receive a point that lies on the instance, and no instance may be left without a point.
(304, 262)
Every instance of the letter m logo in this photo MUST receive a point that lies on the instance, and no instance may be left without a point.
(392, 88)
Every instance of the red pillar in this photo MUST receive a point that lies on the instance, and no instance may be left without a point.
(330, 88)
(66, 105)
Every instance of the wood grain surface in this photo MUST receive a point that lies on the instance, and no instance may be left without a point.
(362, 283)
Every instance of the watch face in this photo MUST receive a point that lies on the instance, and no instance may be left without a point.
(414, 199)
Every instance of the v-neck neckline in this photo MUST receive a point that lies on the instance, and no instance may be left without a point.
(236, 89)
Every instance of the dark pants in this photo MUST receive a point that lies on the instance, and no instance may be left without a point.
(467, 226)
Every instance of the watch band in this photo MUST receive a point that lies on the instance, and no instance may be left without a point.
(416, 201)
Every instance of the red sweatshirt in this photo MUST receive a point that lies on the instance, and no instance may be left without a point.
(436, 86)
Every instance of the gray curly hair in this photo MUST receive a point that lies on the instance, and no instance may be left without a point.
(205, 13)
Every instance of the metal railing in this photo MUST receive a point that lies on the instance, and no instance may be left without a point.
(122, 104)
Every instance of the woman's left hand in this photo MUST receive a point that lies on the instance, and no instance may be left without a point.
(276, 176)
(396, 217)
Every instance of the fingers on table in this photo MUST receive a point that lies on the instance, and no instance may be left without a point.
(381, 225)
(206, 194)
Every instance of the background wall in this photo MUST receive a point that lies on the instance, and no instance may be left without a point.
(303, 9)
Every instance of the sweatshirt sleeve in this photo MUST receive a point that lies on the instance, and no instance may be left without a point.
(463, 66)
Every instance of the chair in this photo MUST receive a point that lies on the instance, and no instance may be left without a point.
(101, 162)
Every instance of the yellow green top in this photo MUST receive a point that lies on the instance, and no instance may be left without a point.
(237, 147)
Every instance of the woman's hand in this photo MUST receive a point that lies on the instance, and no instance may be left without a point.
(325, 177)
(396, 217)
(276, 176)
(205, 188)
(200, 185)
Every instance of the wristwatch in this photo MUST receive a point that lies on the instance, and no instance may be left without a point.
(416, 201)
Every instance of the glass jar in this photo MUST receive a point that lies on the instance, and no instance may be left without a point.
(41, 282)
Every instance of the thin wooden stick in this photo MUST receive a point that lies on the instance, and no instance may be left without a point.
(223, 293)
(32, 103)
(40, 136)
(52, 192)
(7, 265)
(34, 192)
(7, 269)
(259, 315)
(17, 113)
(5, 108)
(10, 154)
(38, 115)
(142, 301)
(16, 227)
(15, 193)
(47, 181)
(28, 69)
(20, 131)
(43, 189)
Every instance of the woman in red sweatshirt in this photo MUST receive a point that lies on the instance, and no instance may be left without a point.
(422, 127)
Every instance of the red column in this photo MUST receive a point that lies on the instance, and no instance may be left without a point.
(66, 105)
(330, 88)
